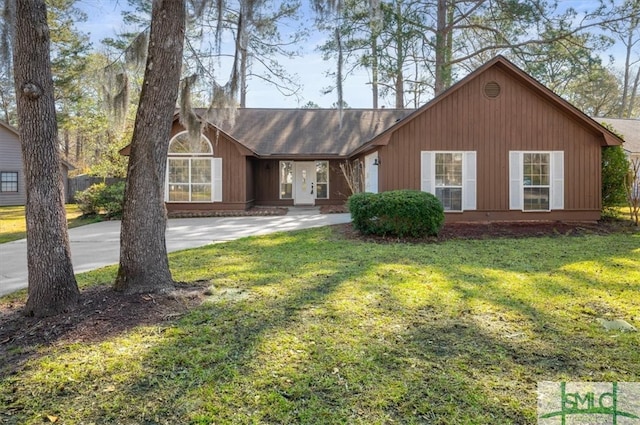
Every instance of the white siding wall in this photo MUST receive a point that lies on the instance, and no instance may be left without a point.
(11, 160)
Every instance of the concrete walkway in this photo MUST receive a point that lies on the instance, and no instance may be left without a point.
(98, 245)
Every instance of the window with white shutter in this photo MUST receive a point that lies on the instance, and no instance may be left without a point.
(451, 177)
(536, 180)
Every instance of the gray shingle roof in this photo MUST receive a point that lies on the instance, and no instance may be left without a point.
(281, 132)
(630, 130)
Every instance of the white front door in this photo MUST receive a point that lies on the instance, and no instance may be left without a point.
(305, 183)
(371, 173)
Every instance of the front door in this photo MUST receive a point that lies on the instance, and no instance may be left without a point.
(304, 184)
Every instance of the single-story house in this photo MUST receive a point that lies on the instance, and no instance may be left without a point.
(12, 186)
(495, 146)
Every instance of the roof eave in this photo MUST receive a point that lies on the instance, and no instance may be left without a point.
(302, 156)
(9, 127)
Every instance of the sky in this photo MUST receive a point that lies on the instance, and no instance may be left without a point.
(105, 20)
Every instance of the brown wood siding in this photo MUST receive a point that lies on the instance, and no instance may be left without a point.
(338, 187)
(267, 183)
(234, 186)
(249, 180)
(517, 120)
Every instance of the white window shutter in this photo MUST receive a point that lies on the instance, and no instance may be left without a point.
(469, 181)
(427, 172)
(557, 180)
(217, 179)
(166, 182)
(515, 181)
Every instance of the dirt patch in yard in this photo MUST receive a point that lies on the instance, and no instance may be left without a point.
(101, 314)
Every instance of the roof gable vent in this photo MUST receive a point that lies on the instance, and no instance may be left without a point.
(492, 89)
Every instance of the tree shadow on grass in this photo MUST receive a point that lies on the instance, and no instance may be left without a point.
(331, 340)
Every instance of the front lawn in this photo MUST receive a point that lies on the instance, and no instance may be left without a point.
(311, 328)
(13, 226)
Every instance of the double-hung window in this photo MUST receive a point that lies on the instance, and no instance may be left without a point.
(286, 179)
(8, 181)
(193, 175)
(536, 180)
(451, 177)
(322, 179)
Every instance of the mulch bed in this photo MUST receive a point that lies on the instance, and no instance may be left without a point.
(102, 313)
(451, 231)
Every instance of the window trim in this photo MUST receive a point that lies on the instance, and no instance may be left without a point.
(325, 183)
(280, 182)
(516, 180)
(189, 154)
(469, 177)
(16, 181)
(215, 165)
(460, 186)
(190, 178)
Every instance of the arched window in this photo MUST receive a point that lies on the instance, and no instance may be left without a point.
(181, 145)
(192, 172)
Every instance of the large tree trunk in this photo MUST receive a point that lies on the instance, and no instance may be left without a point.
(52, 284)
(144, 266)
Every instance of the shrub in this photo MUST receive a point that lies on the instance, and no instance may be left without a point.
(87, 199)
(615, 168)
(101, 198)
(399, 213)
(113, 200)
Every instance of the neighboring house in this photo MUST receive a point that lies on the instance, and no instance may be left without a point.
(496, 146)
(630, 131)
(12, 187)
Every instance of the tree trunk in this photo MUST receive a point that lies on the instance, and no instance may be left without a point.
(67, 142)
(626, 78)
(633, 95)
(400, 46)
(52, 284)
(144, 266)
(243, 79)
(442, 64)
(339, 73)
(374, 70)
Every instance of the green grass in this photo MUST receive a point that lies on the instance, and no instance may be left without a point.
(308, 328)
(13, 226)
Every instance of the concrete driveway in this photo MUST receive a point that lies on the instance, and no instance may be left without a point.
(98, 245)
